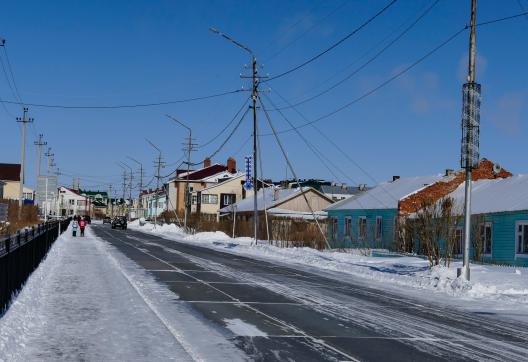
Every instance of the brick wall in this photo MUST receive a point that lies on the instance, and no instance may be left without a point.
(448, 184)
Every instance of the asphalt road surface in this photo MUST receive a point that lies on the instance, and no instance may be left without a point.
(295, 315)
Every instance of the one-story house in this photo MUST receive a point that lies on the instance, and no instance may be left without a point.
(502, 205)
(370, 220)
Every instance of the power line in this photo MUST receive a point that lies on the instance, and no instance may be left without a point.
(226, 127)
(12, 74)
(139, 105)
(283, 150)
(522, 8)
(336, 146)
(380, 86)
(225, 141)
(341, 5)
(333, 46)
(369, 61)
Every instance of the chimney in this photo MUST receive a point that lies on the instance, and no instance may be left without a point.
(449, 172)
(394, 178)
(275, 193)
(231, 165)
(207, 162)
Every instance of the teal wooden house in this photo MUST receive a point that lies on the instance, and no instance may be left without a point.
(502, 205)
(369, 220)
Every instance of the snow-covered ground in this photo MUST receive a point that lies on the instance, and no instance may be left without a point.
(87, 301)
(497, 286)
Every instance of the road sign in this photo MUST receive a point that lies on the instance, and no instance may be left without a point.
(248, 185)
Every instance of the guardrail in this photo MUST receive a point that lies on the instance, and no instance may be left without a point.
(20, 255)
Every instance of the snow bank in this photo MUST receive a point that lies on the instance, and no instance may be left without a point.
(489, 282)
(87, 301)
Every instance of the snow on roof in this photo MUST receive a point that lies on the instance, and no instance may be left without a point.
(264, 196)
(386, 195)
(275, 211)
(498, 195)
(222, 181)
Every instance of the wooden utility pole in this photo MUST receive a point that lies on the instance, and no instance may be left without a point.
(24, 119)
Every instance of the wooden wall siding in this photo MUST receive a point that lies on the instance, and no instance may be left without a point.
(504, 242)
(298, 203)
(387, 240)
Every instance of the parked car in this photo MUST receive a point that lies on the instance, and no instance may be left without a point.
(119, 222)
(107, 220)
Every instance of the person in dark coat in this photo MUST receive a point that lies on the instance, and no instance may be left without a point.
(82, 225)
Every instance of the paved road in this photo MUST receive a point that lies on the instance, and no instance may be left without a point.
(283, 314)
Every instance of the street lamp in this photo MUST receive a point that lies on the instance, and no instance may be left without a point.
(189, 147)
(254, 95)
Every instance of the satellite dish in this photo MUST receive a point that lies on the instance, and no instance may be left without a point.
(496, 168)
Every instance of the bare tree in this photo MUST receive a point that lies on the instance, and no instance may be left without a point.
(477, 237)
(434, 225)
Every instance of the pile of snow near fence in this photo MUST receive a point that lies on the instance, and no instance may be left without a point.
(509, 285)
(89, 302)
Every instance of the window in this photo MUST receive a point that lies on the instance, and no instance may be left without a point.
(334, 228)
(348, 226)
(485, 237)
(209, 199)
(379, 227)
(194, 199)
(71, 202)
(459, 242)
(522, 237)
(362, 227)
(227, 199)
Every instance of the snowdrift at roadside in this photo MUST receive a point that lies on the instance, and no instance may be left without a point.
(489, 282)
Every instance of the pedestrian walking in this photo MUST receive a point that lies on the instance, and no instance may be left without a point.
(75, 225)
(82, 225)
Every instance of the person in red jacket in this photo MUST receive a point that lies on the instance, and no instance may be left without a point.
(82, 225)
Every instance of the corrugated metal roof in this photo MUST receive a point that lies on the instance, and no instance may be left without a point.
(349, 190)
(386, 195)
(264, 197)
(498, 195)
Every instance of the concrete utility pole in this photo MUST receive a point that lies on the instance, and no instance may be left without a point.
(110, 200)
(188, 148)
(131, 181)
(24, 119)
(255, 80)
(49, 161)
(140, 203)
(124, 183)
(159, 165)
(470, 138)
(39, 143)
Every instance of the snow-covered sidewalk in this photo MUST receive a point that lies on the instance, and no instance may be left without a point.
(87, 301)
(497, 287)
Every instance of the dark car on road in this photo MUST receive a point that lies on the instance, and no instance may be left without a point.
(119, 222)
(107, 220)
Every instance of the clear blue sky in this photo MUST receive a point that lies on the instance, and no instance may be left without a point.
(123, 52)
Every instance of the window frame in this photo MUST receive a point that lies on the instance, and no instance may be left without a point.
(482, 230)
(348, 227)
(378, 234)
(520, 223)
(362, 231)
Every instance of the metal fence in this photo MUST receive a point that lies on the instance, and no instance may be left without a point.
(20, 254)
